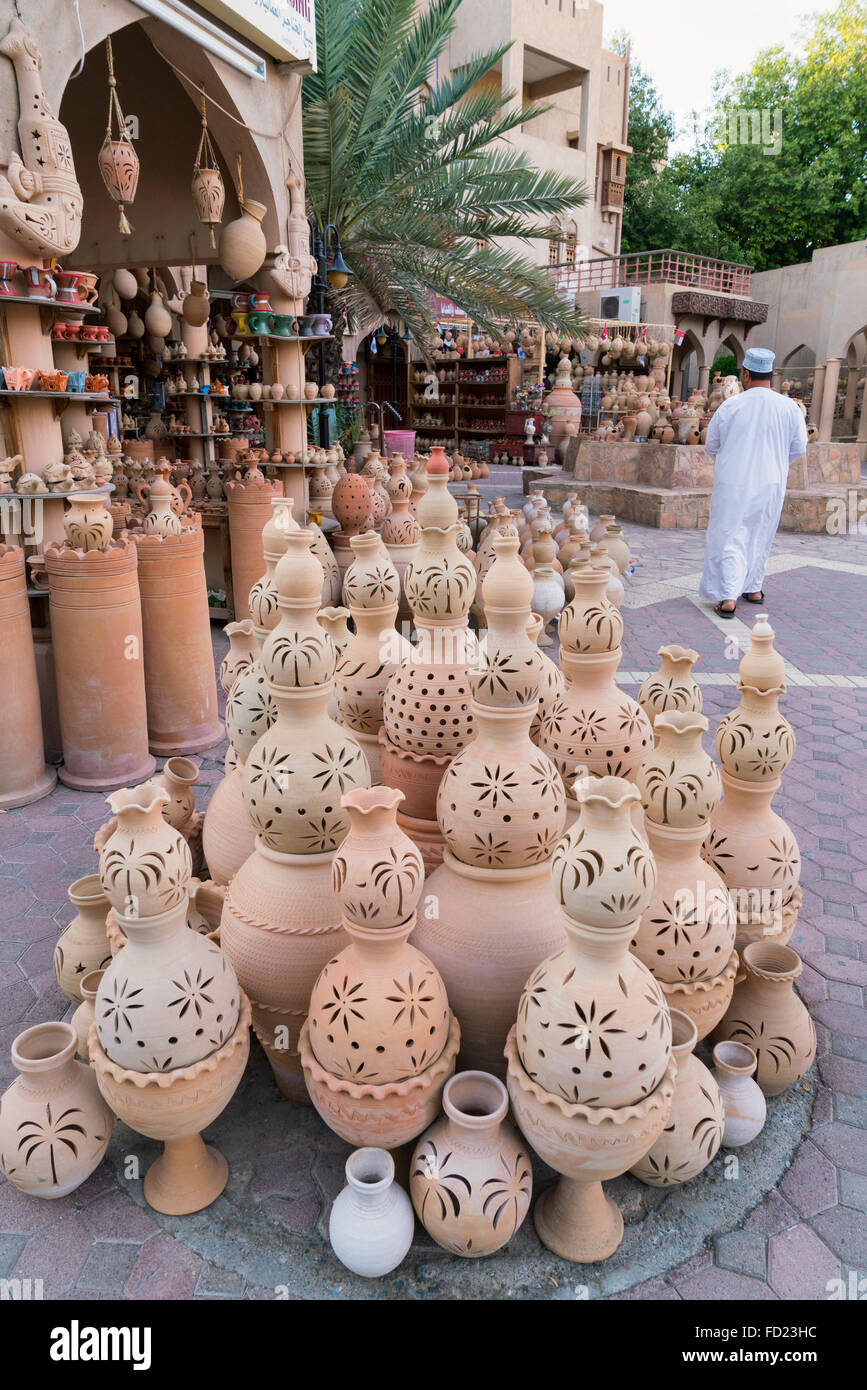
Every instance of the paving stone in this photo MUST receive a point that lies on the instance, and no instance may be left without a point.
(655, 1289)
(117, 1217)
(800, 1264)
(853, 1189)
(772, 1215)
(811, 1182)
(288, 1172)
(852, 1110)
(21, 1214)
(214, 1281)
(56, 1255)
(165, 1268)
(108, 1267)
(300, 1216)
(844, 1074)
(10, 1249)
(715, 1285)
(845, 1232)
(744, 1252)
(690, 1268)
(846, 994)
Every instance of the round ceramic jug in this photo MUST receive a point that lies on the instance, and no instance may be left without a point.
(671, 687)
(161, 518)
(378, 872)
(54, 1124)
(766, 1015)
(694, 1131)
(82, 946)
(243, 651)
(371, 580)
(87, 522)
(590, 623)
(178, 777)
(84, 1015)
(470, 1175)
(144, 866)
(744, 1106)
(365, 667)
(371, 1225)
(351, 504)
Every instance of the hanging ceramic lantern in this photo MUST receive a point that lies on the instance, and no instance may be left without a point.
(125, 283)
(242, 246)
(158, 320)
(118, 161)
(209, 194)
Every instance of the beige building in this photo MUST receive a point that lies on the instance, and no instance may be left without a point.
(557, 58)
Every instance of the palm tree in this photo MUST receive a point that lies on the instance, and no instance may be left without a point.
(422, 185)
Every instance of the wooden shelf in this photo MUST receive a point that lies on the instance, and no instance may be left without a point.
(60, 396)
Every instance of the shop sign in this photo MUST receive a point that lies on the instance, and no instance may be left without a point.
(286, 29)
(444, 310)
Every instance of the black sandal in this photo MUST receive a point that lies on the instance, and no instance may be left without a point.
(724, 612)
(746, 598)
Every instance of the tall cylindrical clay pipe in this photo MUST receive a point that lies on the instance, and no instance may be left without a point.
(249, 510)
(98, 654)
(23, 774)
(178, 661)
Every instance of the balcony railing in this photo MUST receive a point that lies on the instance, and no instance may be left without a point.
(612, 195)
(654, 267)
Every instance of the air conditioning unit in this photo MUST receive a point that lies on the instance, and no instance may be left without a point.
(622, 305)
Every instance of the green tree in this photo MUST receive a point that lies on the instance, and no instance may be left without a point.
(647, 216)
(414, 178)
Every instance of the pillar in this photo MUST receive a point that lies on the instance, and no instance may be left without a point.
(23, 774)
(862, 425)
(180, 682)
(249, 509)
(513, 77)
(97, 631)
(776, 380)
(818, 391)
(703, 378)
(852, 376)
(825, 422)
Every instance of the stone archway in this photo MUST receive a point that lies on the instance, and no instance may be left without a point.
(855, 367)
(690, 354)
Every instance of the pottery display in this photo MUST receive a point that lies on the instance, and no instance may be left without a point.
(744, 1106)
(767, 1016)
(470, 1174)
(174, 1107)
(81, 946)
(595, 725)
(84, 1015)
(752, 848)
(371, 1224)
(54, 1125)
(672, 686)
(696, 1121)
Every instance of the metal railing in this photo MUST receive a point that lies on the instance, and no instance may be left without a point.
(655, 267)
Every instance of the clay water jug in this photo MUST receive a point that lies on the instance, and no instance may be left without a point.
(243, 651)
(766, 1015)
(672, 686)
(745, 1108)
(87, 522)
(371, 1225)
(82, 946)
(696, 1121)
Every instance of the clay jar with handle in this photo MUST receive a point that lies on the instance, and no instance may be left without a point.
(82, 946)
(178, 777)
(54, 1124)
(470, 1175)
(161, 518)
(371, 1225)
(766, 1015)
(745, 1108)
(87, 522)
(672, 686)
(694, 1131)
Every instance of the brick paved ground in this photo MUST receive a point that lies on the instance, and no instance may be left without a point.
(811, 1227)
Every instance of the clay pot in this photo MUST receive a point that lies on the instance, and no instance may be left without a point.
(178, 777)
(54, 1125)
(364, 668)
(671, 687)
(84, 1015)
(694, 1131)
(174, 1107)
(144, 865)
(263, 594)
(81, 947)
(161, 518)
(470, 1175)
(601, 527)
(241, 247)
(158, 320)
(249, 510)
(243, 651)
(767, 1015)
(23, 774)
(371, 1225)
(614, 542)
(87, 522)
(744, 1105)
(196, 305)
(371, 580)
(551, 682)
(227, 835)
(378, 871)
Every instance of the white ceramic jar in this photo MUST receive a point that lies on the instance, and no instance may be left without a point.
(372, 1221)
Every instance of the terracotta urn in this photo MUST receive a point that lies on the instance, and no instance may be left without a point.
(744, 1106)
(84, 1015)
(599, 530)
(752, 848)
(174, 1107)
(54, 1124)
(548, 592)
(672, 686)
(614, 542)
(87, 522)
(766, 1015)
(351, 504)
(371, 1224)
(551, 682)
(243, 651)
(161, 518)
(686, 933)
(692, 1137)
(241, 247)
(81, 946)
(470, 1175)
(178, 777)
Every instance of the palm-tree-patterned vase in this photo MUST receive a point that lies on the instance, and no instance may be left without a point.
(766, 1015)
(695, 1125)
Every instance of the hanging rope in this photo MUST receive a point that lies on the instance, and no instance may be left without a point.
(118, 161)
(240, 182)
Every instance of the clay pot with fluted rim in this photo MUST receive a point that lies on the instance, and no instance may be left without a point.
(144, 866)
(672, 686)
(54, 1124)
(766, 1015)
(692, 1137)
(470, 1174)
(84, 1015)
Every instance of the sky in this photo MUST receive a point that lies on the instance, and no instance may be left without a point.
(682, 43)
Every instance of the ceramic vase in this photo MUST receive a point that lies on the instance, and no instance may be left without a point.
(551, 682)
(695, 1126)
(81, 947)
(671, 687)
(241, 246)
(84, 1015)
(767, 1016)
(87, 523)
(243, 651)
(371, 1225)
(470, 1175)
(744, 1106)
(54, 1125)
(174, 1107)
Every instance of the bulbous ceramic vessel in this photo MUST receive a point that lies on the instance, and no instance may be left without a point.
(671, 687)
(371, 1224)
(744, 1106)
(54, 1124)
(696, 1121)
(87, 522)
(470, 1175)
(81, 946)
(378, 872)
(145, 865)
(84, 1015)
(766, 1015)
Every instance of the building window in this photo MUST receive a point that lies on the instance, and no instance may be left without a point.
(553, 253)
(571, 248)
(480, 243)
(618, 166)
(618, 77)
(608, 78)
